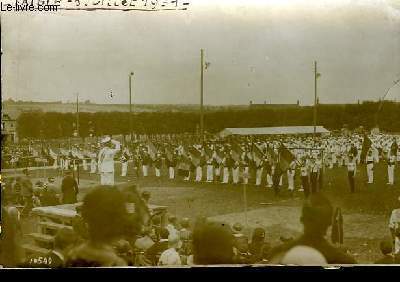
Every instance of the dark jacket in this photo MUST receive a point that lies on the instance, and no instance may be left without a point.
(69, 188)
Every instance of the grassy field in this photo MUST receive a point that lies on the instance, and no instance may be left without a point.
(366, 213)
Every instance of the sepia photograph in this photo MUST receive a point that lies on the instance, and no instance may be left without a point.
(200, 133)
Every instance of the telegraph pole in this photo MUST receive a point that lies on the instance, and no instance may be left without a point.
(315, 99)
(77, 114)
(201, 95)
(130, 105)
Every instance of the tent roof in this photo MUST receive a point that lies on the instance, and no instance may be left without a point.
(273, 130)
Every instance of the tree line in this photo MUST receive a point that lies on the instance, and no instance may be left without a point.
(39, 124)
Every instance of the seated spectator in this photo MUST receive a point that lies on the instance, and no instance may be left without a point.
(104, 211)
(241, 244)
(159, 247)
(258, 247)
(185, 234)
(213, 243)
(156, 227)
(316, 218)
(146, 197)
(145, 241)
(386, 247)
(173, 226)
(124, 250)
(79, 225)
(48, 196)
(171, 257)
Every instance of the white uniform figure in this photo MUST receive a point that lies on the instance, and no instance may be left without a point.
(106, 161)
(225, 171)
(55, 165)
(290, 175)
(391, 163)
(199, 172)
(93, 162)
(259, 172)
(370, 168)
(124, 164)
(66, 163)
(210, 170)
(235, 173)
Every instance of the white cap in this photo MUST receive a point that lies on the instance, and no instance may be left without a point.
(106, 139)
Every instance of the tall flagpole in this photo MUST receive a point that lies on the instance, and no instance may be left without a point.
(130, 105)
(201, 95)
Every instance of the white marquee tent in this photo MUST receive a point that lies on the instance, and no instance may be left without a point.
(281, 130)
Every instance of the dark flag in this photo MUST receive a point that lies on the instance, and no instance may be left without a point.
(194, 153)
(236, 151)
(256, 153)
(337, 227)
(365, 147)
(270, 151)
(393, 149)
(285, 157)
(152, 150)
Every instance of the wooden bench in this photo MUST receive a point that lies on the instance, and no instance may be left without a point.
(54, 226)
(35, 250)
(40, 237)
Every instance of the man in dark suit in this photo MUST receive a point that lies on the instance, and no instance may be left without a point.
(69, 189)
(316, 218)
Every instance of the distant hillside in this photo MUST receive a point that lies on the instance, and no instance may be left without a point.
(16, 108)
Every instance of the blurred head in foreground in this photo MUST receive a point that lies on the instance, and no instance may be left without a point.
(212, 243)
(316, 215)
(303, 255)
(104, 210)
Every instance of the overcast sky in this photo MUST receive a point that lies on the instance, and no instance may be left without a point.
(258, 50)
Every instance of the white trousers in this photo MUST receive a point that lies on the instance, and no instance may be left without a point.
(269, 180)
(93, 166)
(199, 173)
(235, 175)
(258, 176)
(370, 173)
(217, 171)
(158, 172)
(55, 164)
(210, 170)
(246, 175)
(290, 176)
(66, 164)
(107, 178)
(171, 171)
(187, 178)
(391, 174)
(84, 165)
(226, 175)
(145, 169)
(124, 168)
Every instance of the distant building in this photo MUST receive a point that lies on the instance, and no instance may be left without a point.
(267, 106)
(8, 128)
